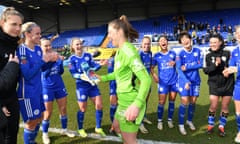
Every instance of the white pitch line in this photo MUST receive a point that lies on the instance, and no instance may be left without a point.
(106, 138)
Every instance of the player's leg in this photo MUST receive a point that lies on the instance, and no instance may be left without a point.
(48, 97)
(82, 97)
(97, 100)
(194, 93)
(171, 104)
(224, 114)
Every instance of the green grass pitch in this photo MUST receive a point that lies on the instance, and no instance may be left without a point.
(166, 135)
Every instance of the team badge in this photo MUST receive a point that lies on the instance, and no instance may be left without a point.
(87, 58)
(195, 54)
(36, 112)
(224, 58)
(39, 53)
(6, 55)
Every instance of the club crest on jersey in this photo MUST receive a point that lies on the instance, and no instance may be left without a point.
(195, 54)
(117, 64)
(224, 58)
(171, 55)
(39, 53)
(87, 58)
(236, 54)
(5, 55)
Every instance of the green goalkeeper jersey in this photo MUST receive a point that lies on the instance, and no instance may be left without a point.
(131, 76)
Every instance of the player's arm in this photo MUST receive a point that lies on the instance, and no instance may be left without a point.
(154, 75)
(28, 70)
(198, 65)
(60, 66)
(179, 70)
(145, 80)
(73, 70)
(145, 83)
(94, 65)
(8, 75)
(108, 77)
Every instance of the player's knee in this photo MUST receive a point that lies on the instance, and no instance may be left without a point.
(98, 106)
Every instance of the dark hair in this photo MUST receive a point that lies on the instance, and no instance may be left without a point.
(162, 36)
(182, 34)
(219, 37)
(123, 23)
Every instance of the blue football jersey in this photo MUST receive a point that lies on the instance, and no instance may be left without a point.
(81, 64)
(192, 60)
(235, 61)
(146, 58)
(51, 77)
(166, 73)
(112, 83)
(31, 64)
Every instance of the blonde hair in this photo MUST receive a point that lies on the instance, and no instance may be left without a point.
(27, 27)
(10, 11)
(71, 43)
(237, 27)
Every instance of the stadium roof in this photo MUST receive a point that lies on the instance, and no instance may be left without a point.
(37, 4)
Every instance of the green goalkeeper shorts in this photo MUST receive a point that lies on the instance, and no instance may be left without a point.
(128, 126)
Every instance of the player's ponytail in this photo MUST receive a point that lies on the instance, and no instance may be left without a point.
(123, 23)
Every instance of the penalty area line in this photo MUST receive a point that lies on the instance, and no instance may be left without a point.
(106, 138)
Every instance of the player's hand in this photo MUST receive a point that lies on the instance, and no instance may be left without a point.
(97, 76)
(132, 112)
(183, 68)
(103, 62)
(172, 63)
(225, 72)
(13, 58)
(187, 86)
(50, 56)
(6, 112)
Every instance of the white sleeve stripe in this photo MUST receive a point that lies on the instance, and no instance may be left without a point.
(22, 51)
(28, 107)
